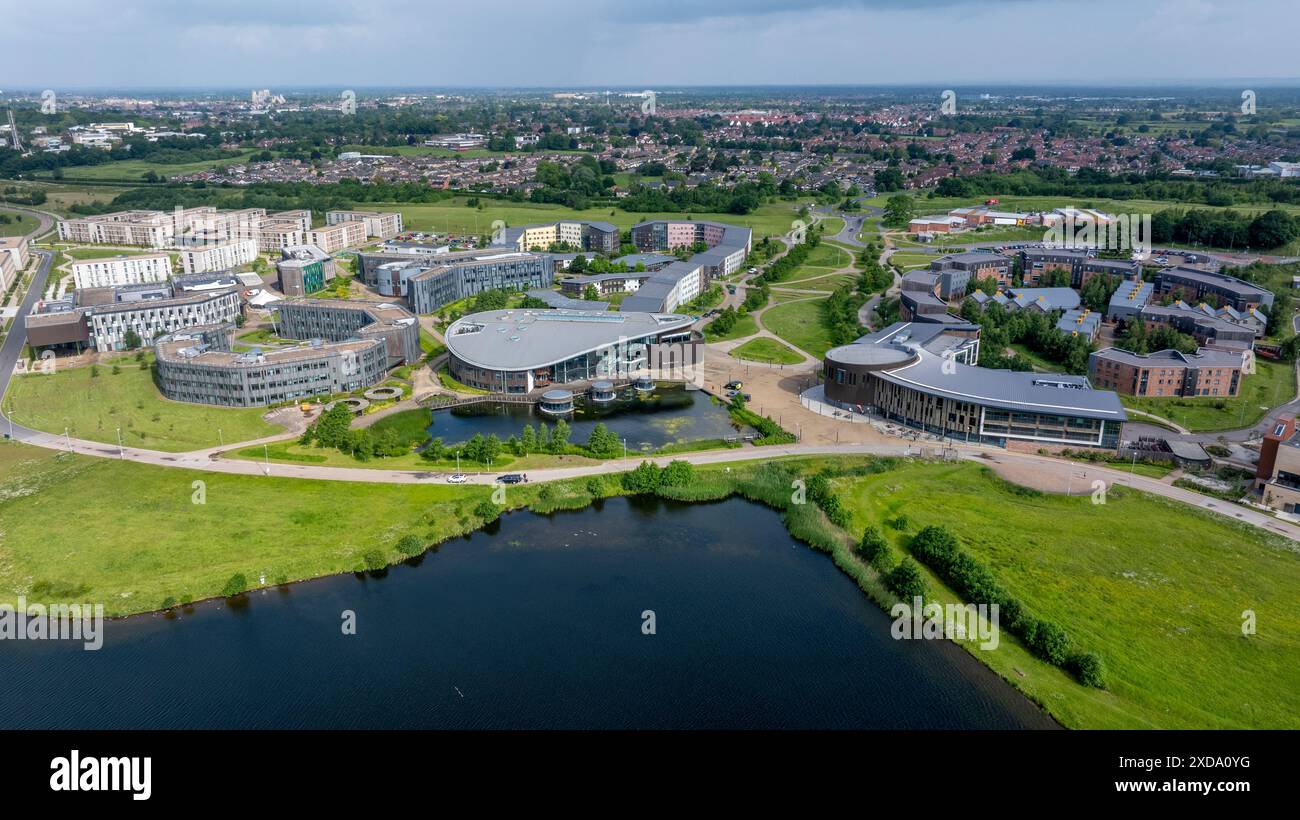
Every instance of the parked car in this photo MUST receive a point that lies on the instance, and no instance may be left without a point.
(510, 478)
(457, 478)
(733, 385)
(731, 289)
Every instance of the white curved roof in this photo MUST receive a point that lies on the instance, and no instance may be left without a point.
(525, 339)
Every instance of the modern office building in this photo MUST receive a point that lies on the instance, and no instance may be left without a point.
(597, 237)
(923, 376)
(1193, 285)
(121, 270)
(956, 271)
(15, 247)
(101, 317)
(518, 351)
(428, 283)
(222, 256)
(304, 270)
(1207, 372)
(384, 225)
(338, 320)
(728, 245)
(604, 283)
(197, 365)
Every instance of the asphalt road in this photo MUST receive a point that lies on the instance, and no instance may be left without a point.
(13, 344)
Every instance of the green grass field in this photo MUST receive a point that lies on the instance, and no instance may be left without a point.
(1161, 602)
(767, 350)
(134, 169)
(1273, 384)
(454, 216)
(94, 407)
(745, 326)
(799, 323)
(18, 224)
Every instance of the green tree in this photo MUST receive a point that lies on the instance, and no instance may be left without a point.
(898, 211)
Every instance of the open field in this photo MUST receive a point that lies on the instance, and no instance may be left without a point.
(18, 224)
(60, 198)
(799, 323)
(135, 169)
(94, 407)
(1161, 603)
(905, 261)
(455, 217)
(767, 350)
(1273, 384)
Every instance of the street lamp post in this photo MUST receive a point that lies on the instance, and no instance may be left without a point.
(121, 453)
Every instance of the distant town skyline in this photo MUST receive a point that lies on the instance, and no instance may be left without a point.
(595, 43)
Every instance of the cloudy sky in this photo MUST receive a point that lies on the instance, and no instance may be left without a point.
(647, 43)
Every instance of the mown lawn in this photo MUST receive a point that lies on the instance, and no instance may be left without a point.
(745, 325)
(799, 323)
(454, 216)
(1154, 587)
(93, 407)
(767, 350)
(1273, 384)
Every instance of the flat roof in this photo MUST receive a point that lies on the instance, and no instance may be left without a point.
(519, 339)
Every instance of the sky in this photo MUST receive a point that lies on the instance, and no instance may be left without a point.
(642, 43)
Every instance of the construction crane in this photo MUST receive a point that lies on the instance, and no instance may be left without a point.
(13, 133)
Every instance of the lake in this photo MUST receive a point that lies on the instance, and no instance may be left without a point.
(669, 414)
(535, 622)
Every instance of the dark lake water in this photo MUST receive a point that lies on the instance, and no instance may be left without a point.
(535, 623)
(668, 415)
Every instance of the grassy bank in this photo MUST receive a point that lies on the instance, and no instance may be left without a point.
(93, 402)
(767, 350)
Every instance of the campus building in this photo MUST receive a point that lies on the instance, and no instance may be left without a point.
(198, 365)
(304, 270)
(222, 256)
(956, 271)
(1036, 264)
(1207, 372)
(1193, 285)
(121, 270)
(102, 317)
(923, 376)
(15, 247)
(429, 282)
(1277, 473)
(728, 245)
(338, 320)
(384, 225)
(339, 236)
(598, 237)
(518, 351)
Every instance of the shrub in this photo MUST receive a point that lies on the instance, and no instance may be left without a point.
(872, 545)
(644, 479)
(1088, 668)
(410, 545)
(900, 522)
(168, 602)
(595, 487)
(374, 560)
(237, 585)
(905, 580)
(1050, 643)
(486, 510)
(677, 474)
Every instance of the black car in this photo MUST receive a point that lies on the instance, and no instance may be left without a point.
(733, 385)
(510, 478)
